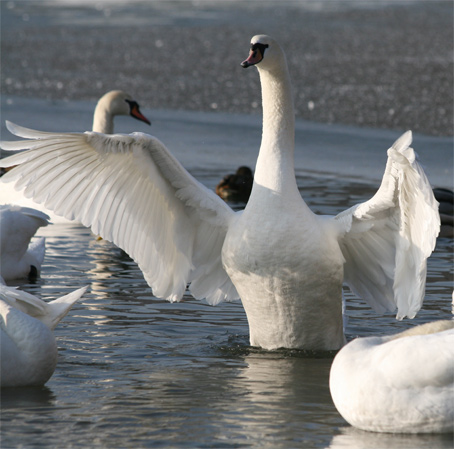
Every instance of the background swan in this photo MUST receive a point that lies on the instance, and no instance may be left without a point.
(286, 263)
(28, 347)
(111, 104)
(401, 383)
(19, 257)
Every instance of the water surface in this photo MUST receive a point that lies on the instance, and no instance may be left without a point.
(136, 371)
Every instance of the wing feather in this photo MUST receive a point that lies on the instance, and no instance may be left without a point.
(388, 239)
(130, 190)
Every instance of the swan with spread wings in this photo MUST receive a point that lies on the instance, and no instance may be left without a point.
(286, 263)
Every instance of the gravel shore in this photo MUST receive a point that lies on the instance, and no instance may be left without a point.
(356, 63)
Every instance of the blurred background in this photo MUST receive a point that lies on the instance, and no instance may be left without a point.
(383, 64)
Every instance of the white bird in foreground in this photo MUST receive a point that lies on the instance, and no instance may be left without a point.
(28, 347)
(286, 263)
(20, 258)
(400, 383)
(110, 105)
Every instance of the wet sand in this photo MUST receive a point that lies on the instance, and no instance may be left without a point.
(381, 65)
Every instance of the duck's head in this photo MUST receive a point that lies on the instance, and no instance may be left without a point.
(264, 52)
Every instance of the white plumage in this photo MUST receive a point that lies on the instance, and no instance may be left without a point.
(110, 105)
(28, 347)
(286, 263)
(19, 256)
(401, 383)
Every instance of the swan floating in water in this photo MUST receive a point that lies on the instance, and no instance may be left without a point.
(236, 187)
(19, 257)
(400, 383)
(28, 347)
(110, 105)
(285, 263)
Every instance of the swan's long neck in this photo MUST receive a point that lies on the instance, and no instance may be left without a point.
(103, 119)
(275, 165)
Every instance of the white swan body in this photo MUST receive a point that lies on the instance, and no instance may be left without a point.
(110, 105)
(20, 258)
(28, 347)
(286, 263)
(401, 383)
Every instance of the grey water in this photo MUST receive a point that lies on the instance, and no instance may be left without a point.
(137, 371)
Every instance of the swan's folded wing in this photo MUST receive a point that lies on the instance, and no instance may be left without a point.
(388, 239)
(23, 301)
(57, 309)
(130, 190)
(49, 313)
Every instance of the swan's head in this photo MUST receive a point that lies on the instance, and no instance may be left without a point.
(264, 51)
(117, 102)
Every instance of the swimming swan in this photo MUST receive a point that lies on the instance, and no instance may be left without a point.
(28, 347)
(19, 257)
(401, 383)
(110, 105)
(286, 263)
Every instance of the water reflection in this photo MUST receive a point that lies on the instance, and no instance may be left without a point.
(285, 397)
(352, 438)
(26, 398)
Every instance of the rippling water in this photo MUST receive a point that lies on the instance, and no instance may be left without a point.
(136, 371)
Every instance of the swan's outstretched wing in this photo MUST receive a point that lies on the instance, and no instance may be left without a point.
(388, 238)
(130, 190)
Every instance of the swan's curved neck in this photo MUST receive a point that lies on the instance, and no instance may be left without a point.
(103, 120)
(275, 165)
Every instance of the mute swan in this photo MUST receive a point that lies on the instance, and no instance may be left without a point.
(28, 347)
(20, 258)
(236, 186)
(286, 263)
(115, 102)
(111, 104)
(401, 383)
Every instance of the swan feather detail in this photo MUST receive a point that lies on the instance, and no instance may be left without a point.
(130, 190)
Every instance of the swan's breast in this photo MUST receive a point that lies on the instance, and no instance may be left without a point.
(281, 243)
(288, 273)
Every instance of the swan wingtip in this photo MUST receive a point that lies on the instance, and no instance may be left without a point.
(403, 142)
(10, 126)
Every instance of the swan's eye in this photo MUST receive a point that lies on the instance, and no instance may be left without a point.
(260, 47)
